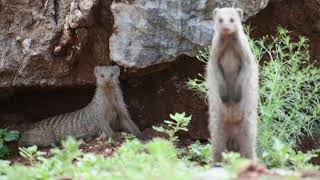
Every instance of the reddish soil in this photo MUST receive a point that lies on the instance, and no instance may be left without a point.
(308, 143)
(153, 97)
(254, 171)
(299, 16)
(97, 146)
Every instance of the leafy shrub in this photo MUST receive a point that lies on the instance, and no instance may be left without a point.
(289, 92)
(283, 156)
(178, 122)
(289, 103)
(6, 136)
(200, 152)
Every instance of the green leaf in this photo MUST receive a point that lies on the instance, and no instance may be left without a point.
(11, 136)
(4, 151)
(159, 129)
(168, 122)
(1, 143)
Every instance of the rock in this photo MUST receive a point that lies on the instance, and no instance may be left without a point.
(152, 32)
(57, 43)
(47, 43)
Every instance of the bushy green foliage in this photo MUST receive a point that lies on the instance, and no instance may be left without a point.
(177, 122)
(289, 91)
(156, 159)
(199, 152)
(283, 156)
(289, 105)
(199, 86)
(6, 136)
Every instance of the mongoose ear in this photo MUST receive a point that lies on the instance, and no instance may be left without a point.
(214, 13)
(116, 70)
(96, 70)
(240, 12)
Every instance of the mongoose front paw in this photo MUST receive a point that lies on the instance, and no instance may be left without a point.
(225, 98)
(237, 95)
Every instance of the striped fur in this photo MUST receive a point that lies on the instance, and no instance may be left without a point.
(106, 108)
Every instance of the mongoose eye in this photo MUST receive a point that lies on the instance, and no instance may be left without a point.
(220, 20)
(231, 20)
(102, 75)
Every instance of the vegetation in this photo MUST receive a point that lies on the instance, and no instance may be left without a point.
(178, 122)
(6, 136)
(289, 94)
(196, 151)
(283, 156)
(30, 153)
(156, 159)
(199, 152)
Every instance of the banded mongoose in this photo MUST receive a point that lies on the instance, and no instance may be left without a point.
(232, 76)
(106, 108)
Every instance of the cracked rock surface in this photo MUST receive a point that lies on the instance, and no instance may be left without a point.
(55, 43)
(52, 42)
(152, 32)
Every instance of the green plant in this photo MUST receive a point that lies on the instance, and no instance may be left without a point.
(200, 152)
(30, 153)
(199, 86)
(283, 156)
(156, 159)
(289, 91)
(289, 105)
(6, 136)
(232, 162)
(178, 122)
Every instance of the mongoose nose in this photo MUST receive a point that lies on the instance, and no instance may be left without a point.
(226, 30)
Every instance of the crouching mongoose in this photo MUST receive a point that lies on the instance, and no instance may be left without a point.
(106, 108)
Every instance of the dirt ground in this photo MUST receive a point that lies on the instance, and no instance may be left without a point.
(100, 147)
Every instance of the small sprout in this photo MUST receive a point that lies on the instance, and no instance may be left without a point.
(178, 122)
(30, 153)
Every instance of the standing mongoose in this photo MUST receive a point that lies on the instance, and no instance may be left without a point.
(232, 76)
(106, 108)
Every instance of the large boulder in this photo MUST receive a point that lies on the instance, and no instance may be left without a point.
(152, 32)
(57, 43)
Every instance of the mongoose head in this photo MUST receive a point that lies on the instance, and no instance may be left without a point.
(227, 21)
(107, 75)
